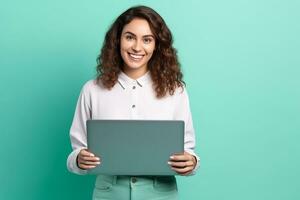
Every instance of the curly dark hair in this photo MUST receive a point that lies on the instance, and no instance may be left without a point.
(164, 66)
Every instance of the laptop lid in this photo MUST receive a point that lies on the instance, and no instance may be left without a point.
(134, 147)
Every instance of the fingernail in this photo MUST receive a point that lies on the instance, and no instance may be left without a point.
(97, 158)
(172, 157)
(92, 155)
(169, 163)
(98, 163)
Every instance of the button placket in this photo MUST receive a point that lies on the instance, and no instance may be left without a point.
(134, 100)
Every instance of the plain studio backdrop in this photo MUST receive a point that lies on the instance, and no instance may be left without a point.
(241, 64)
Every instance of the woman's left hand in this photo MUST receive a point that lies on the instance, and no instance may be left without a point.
(183, 164)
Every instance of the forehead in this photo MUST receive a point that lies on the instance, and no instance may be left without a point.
(138, 26)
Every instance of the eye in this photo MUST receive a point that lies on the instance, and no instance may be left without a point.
(129, 37)
(147, 40)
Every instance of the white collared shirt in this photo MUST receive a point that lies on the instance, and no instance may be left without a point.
(128, 99)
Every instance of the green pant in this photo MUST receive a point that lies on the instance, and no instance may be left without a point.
(135, 188)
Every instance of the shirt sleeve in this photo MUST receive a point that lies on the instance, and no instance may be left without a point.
(78, 133)
(183, 112)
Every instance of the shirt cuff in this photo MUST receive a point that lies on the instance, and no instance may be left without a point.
(197, 164)
(72, 162)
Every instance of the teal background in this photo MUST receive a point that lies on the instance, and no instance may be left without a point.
(241, 64)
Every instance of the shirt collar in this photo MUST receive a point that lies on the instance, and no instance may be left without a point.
(125, 81)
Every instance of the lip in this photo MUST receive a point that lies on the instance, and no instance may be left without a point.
(135, 56)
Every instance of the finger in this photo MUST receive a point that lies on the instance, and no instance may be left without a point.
(90, 163)
(81, 160)
(181, 164)
(83, 166)
(86, 155)
(182, 170)
(85, 152)
(180, 157)
(88, 158)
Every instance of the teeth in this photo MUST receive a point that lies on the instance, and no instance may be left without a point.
(136, 56)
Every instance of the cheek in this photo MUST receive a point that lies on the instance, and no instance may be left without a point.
(123, 51)
(124, 45)
(150, 49)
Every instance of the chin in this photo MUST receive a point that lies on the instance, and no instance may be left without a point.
(134, 67)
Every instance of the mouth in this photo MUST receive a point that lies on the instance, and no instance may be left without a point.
(136, 57)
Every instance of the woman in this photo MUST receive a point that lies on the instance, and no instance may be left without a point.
(139, 77)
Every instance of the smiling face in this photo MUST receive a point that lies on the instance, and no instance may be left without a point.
(136, 45)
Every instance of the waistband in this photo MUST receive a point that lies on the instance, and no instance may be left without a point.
(136, 180)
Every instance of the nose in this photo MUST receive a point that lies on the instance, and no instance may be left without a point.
(136, 47)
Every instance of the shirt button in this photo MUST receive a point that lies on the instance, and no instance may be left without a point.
(133, 106)
(133, 87)
(133, 180)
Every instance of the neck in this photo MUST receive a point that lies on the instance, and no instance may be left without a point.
(135, 73)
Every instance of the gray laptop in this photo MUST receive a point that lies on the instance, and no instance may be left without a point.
(134, 147)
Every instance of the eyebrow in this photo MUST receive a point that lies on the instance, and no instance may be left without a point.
(128, 32)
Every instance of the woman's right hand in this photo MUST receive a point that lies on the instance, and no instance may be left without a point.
(87, 160)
